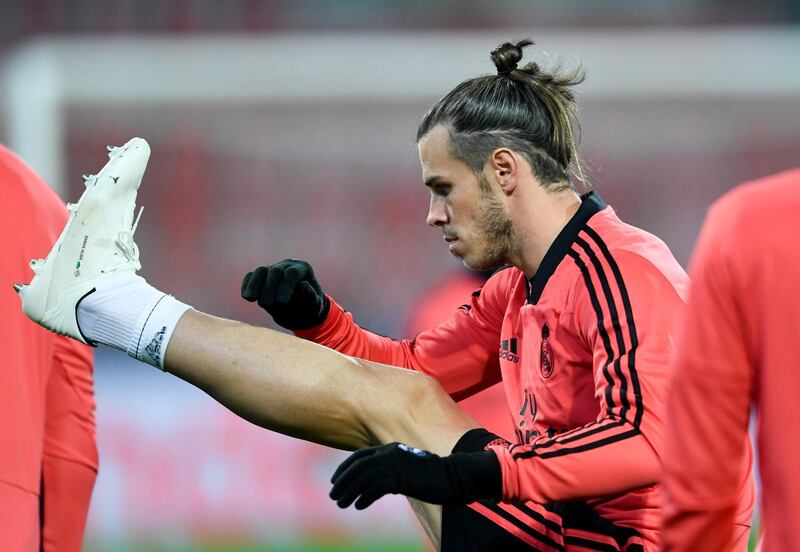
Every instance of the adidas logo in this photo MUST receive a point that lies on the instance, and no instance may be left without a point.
(508, 350)
(154, 347)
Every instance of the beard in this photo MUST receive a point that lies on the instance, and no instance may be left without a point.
(497, 233)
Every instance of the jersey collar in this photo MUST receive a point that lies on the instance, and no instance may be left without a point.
(591, 203)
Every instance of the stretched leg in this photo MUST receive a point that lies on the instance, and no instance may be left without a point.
(87, 288)
(308, 391)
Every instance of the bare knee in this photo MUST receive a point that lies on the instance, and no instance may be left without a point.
(411, 407)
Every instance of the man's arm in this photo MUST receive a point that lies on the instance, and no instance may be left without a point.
(69, 456)
(705, 453)
(461, 353)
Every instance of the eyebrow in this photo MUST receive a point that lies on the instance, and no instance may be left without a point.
(431, 180)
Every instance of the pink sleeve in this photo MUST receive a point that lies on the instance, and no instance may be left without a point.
(706, 453)
(608, 470)
(460, 353)
(70, 431)
(69, 462)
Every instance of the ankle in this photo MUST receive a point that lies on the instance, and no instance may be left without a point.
(130, 315)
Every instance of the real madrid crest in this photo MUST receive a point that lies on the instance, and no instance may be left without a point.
(546, 365)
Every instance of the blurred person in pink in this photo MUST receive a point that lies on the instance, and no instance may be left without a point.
(738, 352)
(48, 455)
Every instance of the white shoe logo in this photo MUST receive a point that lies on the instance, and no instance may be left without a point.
(154, 347)
(80, 257)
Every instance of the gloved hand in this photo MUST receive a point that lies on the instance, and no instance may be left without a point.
(396, 468)
(289, 292)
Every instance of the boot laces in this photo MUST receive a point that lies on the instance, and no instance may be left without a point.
(125, 243)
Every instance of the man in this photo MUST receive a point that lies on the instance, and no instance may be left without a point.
(585, 381)
(48, 456)
(738, 350)
(585, 319)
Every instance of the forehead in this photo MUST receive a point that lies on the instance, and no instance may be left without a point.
(435, 158)
(435, 145)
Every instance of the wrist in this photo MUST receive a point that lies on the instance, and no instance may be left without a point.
(324, 311)
(477, 475)
(328, 318)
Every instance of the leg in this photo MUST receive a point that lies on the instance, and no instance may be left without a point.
(307, 391)
(503, 526)
(274, 380)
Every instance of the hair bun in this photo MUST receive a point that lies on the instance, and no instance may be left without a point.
(507, 55)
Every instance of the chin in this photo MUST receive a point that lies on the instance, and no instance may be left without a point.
(480, 265)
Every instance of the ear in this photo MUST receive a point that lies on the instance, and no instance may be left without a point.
(504, 165)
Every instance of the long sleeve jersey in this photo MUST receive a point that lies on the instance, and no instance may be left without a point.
(738, 349)
(584, 350)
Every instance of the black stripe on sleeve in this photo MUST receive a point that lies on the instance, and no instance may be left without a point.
(587, 446)
(626, 303)
(537, 451)
(574, 434)
(600, 326)
(614, 314)
(563, 439)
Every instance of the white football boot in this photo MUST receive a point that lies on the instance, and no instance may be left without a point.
(96, 245)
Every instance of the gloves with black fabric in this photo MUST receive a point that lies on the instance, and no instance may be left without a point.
(396, 468)
(289, 292)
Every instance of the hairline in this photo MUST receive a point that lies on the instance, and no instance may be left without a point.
(452, 137)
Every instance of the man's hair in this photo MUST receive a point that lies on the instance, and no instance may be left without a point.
(527, 110)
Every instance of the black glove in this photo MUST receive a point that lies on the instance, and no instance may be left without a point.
(289, 292)
(460, 478)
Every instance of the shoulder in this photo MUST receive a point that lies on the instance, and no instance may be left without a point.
(504, 279)
(748, 229)
(31, 201)
(757, 194)
(624, 269)
(501, 286)
(627, 260)
(754, 208)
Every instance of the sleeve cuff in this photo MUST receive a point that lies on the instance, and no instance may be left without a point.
(322, 331)
(479, 474)
(509, 485)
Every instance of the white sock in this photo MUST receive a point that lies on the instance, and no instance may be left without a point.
(131, 315)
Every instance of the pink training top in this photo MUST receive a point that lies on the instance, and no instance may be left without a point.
(584, 350)
(739, 348)
(31, 218)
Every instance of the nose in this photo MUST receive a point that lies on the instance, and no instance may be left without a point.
(437, 213)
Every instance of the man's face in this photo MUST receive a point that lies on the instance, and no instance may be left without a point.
(467, 209)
